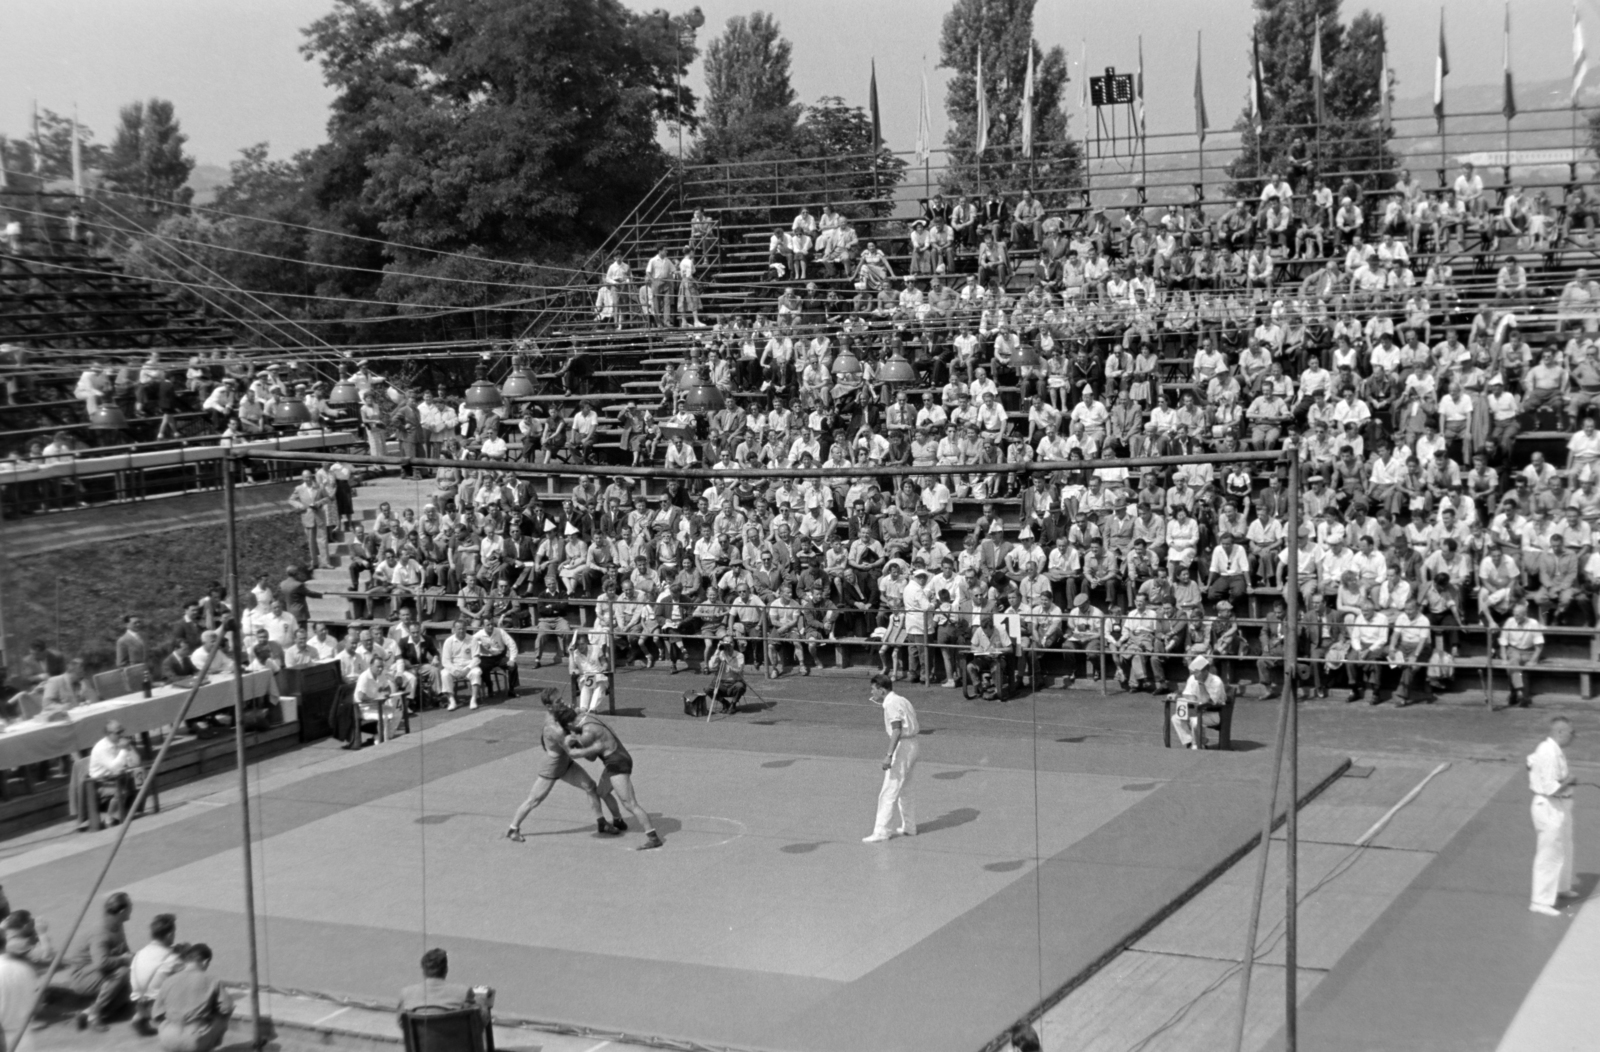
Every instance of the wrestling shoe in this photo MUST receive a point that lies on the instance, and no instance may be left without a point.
(605, 828)
(652, 840)
(619, 825)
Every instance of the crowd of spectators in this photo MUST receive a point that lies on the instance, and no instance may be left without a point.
(1343, 330)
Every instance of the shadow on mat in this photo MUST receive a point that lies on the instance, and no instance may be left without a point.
(433, 820)
(950, 776)
(627, 712)
(959, 817)
(799, 849)
(1244, 745)
(1006, 867)
(1073, 741)
(774, 764)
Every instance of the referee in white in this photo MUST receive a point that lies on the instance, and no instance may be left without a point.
(900, 720)
(1551, 782)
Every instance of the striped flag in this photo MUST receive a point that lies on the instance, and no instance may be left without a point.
(1509, 105)
(1316, 67)
(1027, 107)
(983, 111)
(924, 122)
(1200, 121)
(1580, 57)
(1441, 70)
(1258, 108)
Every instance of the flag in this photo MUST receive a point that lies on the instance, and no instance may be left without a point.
(1441, 70)
(1257, 107)
(1138, 91)
(1383, 86)
(38, 153)
(1083, 84)
(1199, 95)
(77, 155)
(1027, 107)
(872, 104)
(1580, 57)
(983, 111)
(924, 123)
(1316, 67)
(1509, 105)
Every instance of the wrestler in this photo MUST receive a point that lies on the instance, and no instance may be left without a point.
(588, 738)
(558, 767)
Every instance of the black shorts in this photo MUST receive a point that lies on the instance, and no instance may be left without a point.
(619, 764)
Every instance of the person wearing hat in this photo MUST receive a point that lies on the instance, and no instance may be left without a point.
(1203, 693)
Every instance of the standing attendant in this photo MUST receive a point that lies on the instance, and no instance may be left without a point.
(1551, 783)
(311, 501)
(900, 720)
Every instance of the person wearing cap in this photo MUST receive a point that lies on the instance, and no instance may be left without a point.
(1203, 692)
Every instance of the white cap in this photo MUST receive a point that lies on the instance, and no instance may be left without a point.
(1200, 663)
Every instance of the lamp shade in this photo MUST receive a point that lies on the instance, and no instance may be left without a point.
(897, 371)
(344, 393)
(690, 376)
(846, 364)
(704, 398)
(518, 385)
(107, 418)
(290, 412)
(483, 395)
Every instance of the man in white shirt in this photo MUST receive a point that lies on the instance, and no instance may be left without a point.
(496, 649)
(1230, 571)
(1521, 646)
(114, 761)
(1203, 691)
(900, 721)
(379, 695)
(458, 660)
(1551, 782)
(1369, 641)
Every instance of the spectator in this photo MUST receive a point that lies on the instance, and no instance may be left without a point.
(99, 966)
(434, 991)
(154, 963)
(192, 1008)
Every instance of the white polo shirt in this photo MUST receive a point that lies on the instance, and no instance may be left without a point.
(897, 708)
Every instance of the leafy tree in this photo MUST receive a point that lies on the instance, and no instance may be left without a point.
(498, 127)
(1351, 139)
(1004, 31)
(146, 158)
(837, 138)
(750, 104)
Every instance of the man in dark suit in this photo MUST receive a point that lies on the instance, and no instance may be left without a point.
(295, 592)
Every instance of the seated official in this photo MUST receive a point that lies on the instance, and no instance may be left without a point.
(726, 668)
(435, 992)
(988, 662)
(116, 764)
(1203, 694)
(496, 649)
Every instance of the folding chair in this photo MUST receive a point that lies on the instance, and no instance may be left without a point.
(435, 1029)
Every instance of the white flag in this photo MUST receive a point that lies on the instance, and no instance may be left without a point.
(1580, 57)
(983, 111)
(924, 124)
(77, 155)
(1027, 107)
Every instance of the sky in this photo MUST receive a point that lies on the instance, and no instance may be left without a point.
(235, 74)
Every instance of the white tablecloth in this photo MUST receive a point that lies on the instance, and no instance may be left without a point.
(31, 741)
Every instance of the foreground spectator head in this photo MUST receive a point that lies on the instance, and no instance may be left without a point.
(435, 964)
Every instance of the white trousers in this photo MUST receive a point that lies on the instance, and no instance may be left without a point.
(450, 676)
(895, 795)
(1189, 729)
(591, 693)
(1552, 857)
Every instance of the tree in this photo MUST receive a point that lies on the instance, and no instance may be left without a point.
(750, 104)
(846, 165)
(1351, 139)
(493, 127)
(55, 142)
(1003, 29)
(147, 159)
